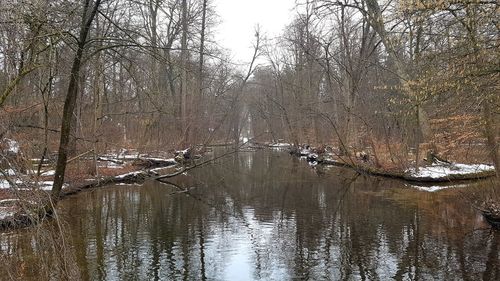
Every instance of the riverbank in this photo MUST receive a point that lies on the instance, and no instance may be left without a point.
(24, 198)
(438, 172)
(443, 174)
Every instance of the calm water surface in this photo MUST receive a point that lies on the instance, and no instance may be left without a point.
(268, 216)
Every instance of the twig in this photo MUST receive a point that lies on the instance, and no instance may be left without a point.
(78, 156)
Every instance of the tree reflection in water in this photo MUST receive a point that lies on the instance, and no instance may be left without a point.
(268, 216)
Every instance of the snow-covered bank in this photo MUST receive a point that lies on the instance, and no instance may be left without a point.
(28, 185)
(14, 217)
(434, 188)
(140, 162)
(446, 170)
(426, 174)
(439, 172)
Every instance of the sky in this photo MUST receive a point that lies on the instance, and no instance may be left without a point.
(238, 19)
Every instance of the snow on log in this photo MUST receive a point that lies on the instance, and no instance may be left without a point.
(445, 170)
(107, 159)
(279, 145)
(426, 174)
(151, 162)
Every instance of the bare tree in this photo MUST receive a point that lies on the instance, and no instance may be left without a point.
(89, 12)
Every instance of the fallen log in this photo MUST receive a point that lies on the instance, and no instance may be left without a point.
(105, 159)
(148, 162)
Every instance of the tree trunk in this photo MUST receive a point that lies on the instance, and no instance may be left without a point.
(153, 12)
(491, 133)
(184, 65)
(198, 101)
(71, 95)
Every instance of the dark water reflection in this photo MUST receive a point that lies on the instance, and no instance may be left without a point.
(268, 216)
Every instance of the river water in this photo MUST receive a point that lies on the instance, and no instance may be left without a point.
(266, 215)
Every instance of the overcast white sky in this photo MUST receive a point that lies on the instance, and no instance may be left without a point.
(239, 18)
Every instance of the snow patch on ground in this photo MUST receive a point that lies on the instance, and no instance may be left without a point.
(46, 185)
(4, 184)
(10, 201)
(435, 188)
(305, 152)
(122, 154)
(9, 172)
(5, 213)
(12, 146)
(280, 145)
(444, 170)
(48, 173)
(41, 185)
(111, 165)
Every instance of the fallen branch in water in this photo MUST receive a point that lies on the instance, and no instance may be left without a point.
(185, 169)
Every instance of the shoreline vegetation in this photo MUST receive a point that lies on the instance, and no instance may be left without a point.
(439, 172)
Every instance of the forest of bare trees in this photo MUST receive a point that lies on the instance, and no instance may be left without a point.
(102, 92)
(398, 77)
(402, 81)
